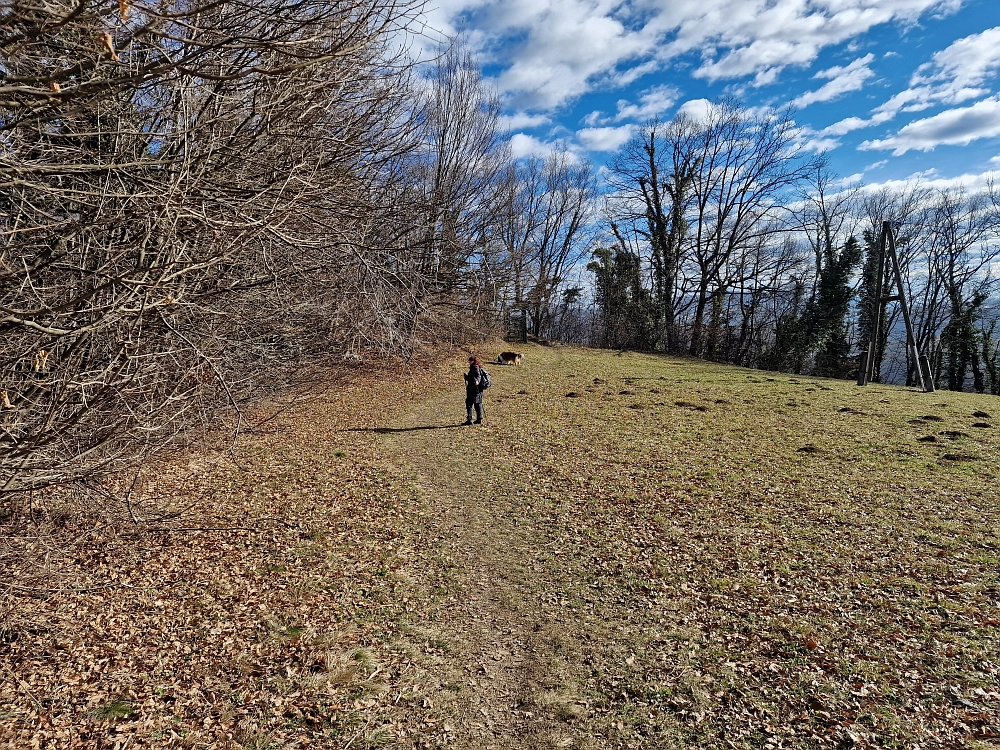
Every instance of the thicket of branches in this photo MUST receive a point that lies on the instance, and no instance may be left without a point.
(726, 241)
(188, 190)
(198, 194)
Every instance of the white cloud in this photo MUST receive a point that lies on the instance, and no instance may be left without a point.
(552, 51)
(962, 66)
(652, 103)
(842, 80)
(970, 182)
(819, 145)
(567, 44)
(953, 127)
(848, 125)
(605, 139)
(520, 120)
(760, 38)
(523, 145)
(877, 165)
(954, 75)
(696, 109)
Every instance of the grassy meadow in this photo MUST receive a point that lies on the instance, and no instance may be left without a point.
(634, 552)
(763, 560)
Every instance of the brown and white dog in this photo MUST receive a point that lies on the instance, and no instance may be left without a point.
(509, 358)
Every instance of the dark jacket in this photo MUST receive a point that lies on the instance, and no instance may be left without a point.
(472, 380)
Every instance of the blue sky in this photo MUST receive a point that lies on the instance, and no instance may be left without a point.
(891, 89)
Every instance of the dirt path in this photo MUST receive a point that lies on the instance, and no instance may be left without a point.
(505, 677)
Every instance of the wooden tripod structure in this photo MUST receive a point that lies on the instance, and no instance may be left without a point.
(887, 251)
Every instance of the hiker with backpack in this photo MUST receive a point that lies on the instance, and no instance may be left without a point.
(477, 380)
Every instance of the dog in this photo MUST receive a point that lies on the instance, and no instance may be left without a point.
(509, 358)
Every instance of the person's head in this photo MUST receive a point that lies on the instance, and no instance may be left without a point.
(474, 362)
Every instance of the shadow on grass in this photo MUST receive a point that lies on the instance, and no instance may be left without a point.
(391, 430)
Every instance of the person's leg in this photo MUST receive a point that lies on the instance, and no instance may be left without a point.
(468, 411)
(479, 412)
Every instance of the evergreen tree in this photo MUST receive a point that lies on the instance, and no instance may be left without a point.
(817, 330)
(991, 355)
(786, 350)
(961, 345)
(826, 319)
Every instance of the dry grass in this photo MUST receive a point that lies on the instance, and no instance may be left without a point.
(693, 556)
(751, 559)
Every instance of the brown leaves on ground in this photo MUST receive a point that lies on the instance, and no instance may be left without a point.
(688, 576)
(265, 598)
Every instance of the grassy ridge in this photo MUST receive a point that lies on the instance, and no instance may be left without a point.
(678, 555)
(760, 560)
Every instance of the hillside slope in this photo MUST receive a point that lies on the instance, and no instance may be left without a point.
(634, 552)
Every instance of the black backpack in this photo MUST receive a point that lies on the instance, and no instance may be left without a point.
(484, 379)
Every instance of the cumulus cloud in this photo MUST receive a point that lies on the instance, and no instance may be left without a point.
(566, 44)
(971, 182)
(520, 120)
(550, 52)
(842, 80)
(696, 109)
(818, 144)
(523, 145)
(604, 139)
(954, 75)
(759, 38)
(652, 103)
(850, 124)
(953, 127)
(962, 66)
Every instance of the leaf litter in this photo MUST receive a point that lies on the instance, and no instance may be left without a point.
(647, 578)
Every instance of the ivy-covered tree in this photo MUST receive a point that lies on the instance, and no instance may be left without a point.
(826, 317)
(961, 345)
(624, 304)
(991, 355)
(867, 296)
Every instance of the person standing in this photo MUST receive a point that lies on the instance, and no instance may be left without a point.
(473, 393)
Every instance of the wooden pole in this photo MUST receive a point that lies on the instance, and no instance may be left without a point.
(887, 247)
(866, 372)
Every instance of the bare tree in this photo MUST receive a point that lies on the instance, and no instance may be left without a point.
(560, 239)
(519, 215)
(165, 172)
(462, 168)
(964, 243)
(746, 165)
(827, 213)
(652, 179)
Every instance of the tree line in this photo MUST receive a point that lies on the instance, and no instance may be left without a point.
(198, 196)
(726, 240)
